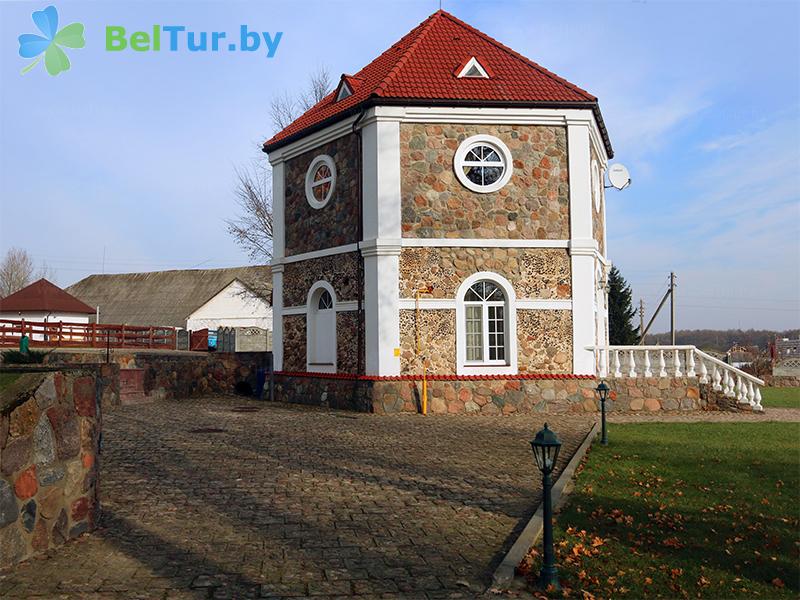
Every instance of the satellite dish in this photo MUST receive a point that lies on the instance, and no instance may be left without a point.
(619, 177)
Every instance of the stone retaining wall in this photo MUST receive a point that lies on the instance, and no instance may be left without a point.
(50, 423)
(566, 394)
(177, 374)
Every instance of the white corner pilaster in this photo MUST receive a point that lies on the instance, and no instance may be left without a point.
(381, 245)
(278, 252)
(583, 247)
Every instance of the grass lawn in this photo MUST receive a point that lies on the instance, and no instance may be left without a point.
(683, 510)
(788, 397)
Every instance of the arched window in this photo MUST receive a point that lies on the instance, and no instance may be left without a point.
(486, 327)
(321, 329)
(485, 307)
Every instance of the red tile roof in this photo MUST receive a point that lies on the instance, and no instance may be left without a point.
(421, 69)
(43, 296)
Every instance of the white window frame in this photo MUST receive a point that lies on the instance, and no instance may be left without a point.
(473, 62)
(322, 159)
(597, 185)
(502, 151)
(312, 300)
(486, 367)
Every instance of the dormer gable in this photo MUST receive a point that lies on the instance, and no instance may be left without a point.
(472, 69)
(346, 88)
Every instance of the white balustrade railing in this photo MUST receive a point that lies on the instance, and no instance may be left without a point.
(679, 361)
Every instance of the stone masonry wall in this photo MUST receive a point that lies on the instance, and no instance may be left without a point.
(50, 426)
(178, 374)
(336, 223)
(340, 270)
(534, 272)
(294, 343)
(533, 205)
(544, 341)
(495, 396)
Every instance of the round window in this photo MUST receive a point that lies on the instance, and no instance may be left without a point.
(320, 180)
(483, 163)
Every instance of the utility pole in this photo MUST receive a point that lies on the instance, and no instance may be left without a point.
(672, 306)
(641, 321)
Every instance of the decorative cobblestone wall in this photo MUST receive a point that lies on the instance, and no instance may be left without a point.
(347, 324)
(437, 336)
(495, 396)
(336, 223)
(544, 339)
(294, 342)
(50, 425)
(534, 272)
(340, 270)
(533, 205)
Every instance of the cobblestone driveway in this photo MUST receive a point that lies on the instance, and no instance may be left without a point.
(289, 501)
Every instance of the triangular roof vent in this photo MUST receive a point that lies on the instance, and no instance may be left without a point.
(473, 69)
(344, 91)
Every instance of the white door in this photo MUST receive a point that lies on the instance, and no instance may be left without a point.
(322, 349)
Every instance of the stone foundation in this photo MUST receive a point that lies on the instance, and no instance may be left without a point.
(555, 394)
(50, 423)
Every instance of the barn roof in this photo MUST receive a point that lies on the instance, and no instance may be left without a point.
(43, 296)
(424, 67)
(164, 298)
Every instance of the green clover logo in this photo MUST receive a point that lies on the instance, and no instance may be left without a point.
(32, 45)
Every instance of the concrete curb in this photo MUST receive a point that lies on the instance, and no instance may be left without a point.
(506, 570)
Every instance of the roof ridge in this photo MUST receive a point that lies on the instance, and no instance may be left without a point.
(517, 55)
(424, 28)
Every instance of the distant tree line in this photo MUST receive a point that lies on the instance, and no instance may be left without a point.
(723, 340)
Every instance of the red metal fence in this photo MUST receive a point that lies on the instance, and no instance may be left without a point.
(85, 335)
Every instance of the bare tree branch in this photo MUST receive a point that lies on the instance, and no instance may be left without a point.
(16, 271)
(319, 86)
(252, 229)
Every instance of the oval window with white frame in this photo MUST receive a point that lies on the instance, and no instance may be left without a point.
(597, 185)
(320, 180)
(483, 163)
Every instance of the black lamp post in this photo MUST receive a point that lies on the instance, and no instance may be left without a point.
(602, 391)
(546, 446)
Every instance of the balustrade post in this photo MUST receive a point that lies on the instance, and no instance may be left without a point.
(617, 371)
(676, 363)
(647, 371)
(631, 364)
(716, 378)
(662, 364)
(690, 372)
(703, 371)
(757, 402)
(750, 394)
(739, 389)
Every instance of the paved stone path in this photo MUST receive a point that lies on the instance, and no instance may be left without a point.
(289, 501)
(769, 414)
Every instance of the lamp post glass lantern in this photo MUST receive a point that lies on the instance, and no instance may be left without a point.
(602, 391)
(546, 447)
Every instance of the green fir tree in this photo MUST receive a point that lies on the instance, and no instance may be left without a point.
(621, 330)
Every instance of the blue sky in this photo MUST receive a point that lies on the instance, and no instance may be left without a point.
(133, 154)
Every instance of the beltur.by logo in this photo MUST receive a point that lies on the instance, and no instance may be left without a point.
(48, 45)
(176, 37)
